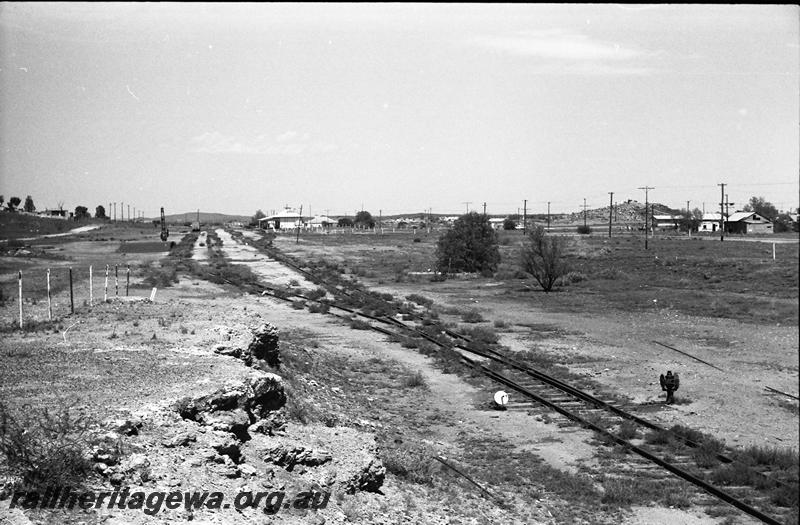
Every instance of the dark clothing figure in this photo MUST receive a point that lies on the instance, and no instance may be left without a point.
(669, 384)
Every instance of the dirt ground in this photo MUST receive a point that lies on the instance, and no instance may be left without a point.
(131, 358)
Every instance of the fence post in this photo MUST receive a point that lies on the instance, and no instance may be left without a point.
(71, 298)
(91, 288)
(105, 287)
(773, 251)
(116, 281)
(20, 299)
(127, 280)
(49, 303)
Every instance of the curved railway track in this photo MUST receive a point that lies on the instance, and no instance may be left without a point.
(613, 422)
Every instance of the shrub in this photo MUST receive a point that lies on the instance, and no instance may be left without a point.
(414, 380)
(500, 323)
(318, 293)
(358, 324)
(319, 308)
(45, 447)
(469, 246)
(627, 430)
(472, 316)
(542, 257)
(482, 334)
(420, 300)
(584, 230)
(412, 463)
(570, 278)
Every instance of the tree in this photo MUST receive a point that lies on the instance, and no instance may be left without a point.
(100, 212)
(2, 200)
(29, 207)
(784, 223)
(345, 222)
(364, 220)
(509, 224)
(690, 221)
(469, 246)
(13, 202)
(762, 207)
(258, 215)
(82, 212)
(543, 258)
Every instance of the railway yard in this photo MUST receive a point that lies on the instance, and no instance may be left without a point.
(389, 374)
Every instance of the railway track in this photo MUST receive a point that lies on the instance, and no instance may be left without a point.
(661, 452)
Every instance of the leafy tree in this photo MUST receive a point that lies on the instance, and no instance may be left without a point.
(784, 223)
(13, 202)
(29, 207)
(100, 212)
(82, 212)
(258, 215)
(690, 221)
(509, 224)
(345, 222)
(543, 258)
(2, 200)
(364, 219)
(469, 246)
(762, 207)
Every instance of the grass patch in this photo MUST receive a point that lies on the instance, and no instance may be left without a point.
(412, 463)
(415, 380)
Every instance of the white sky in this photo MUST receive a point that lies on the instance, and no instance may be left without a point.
(397, 107)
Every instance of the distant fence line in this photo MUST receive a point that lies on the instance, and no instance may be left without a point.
(91, 301)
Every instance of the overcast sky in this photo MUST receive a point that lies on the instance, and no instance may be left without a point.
(397, 107)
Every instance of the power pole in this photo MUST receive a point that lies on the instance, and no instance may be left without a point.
(548, 215)
(122, 211)
(727, 211)
(115, 212)
(380, 220)
(646, 234)
(584, 212)
(129, 213)
(467, 203)
(610, 207)
(484, 209)
(525, 216)
(299, 219)
(689, 219)
(721, 212)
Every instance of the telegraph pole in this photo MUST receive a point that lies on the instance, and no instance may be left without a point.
(689, 218)
(115, 212)
(484, 209)
(727, 211)
(646, 234)
(525, 217)
(467, 203)
(610, 208)
(548, 215)
(129, 212)
(584, 212)
(721, 212)
(299, 219)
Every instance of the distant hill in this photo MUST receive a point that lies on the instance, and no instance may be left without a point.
(205, 218)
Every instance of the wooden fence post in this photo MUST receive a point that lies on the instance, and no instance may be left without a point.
(116, 281)
(71, 297)
(91, 289)
(20, 300)
(49, 303)
(127, 280)
(105, 288)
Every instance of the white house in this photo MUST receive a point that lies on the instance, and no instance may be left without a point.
(321, 222)
(288, 219)
(710, 222)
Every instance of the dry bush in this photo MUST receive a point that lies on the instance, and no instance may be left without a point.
(543, 258)
(45, 447)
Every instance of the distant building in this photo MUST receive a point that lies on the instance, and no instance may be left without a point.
(665, 222)
(710, 222)
(321, 222)
(288, 219)
(748, 222)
